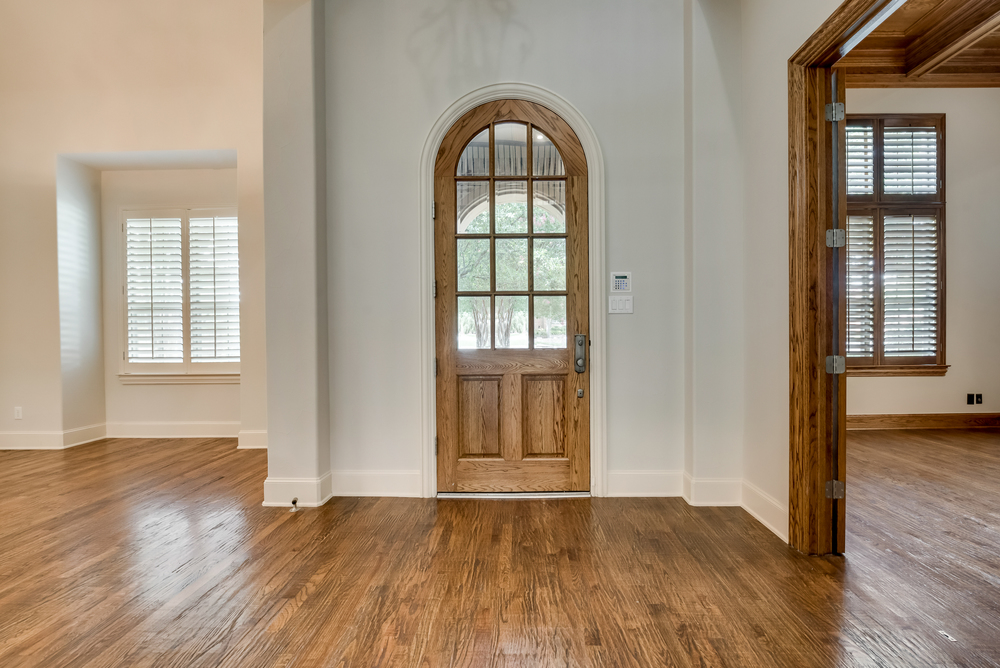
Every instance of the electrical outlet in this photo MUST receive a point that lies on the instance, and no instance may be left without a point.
(970, 399)
(979, 398)
(17, 413)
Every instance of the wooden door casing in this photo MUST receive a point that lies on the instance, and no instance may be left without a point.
(511, 420)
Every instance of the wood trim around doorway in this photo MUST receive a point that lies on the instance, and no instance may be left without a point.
(816, 523)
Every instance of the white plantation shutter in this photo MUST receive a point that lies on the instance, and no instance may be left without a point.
(861, 286)
(214, 289)
(861, 159)
(910, 160)
(154, 290)
(910, 285)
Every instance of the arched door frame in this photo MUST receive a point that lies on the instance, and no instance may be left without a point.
(598, 275)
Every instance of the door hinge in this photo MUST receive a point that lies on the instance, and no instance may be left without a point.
(435, 445)
(835, 111)
(836, 364)
(433, 210)
(836, 238)
(834, 489)
(435, 289)
(435, 367)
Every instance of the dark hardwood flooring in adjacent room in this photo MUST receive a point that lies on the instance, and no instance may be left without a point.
(158, 553)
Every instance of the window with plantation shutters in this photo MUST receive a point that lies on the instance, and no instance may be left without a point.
(181, 292)
(154, 289)
(214, 261)
(895, 245)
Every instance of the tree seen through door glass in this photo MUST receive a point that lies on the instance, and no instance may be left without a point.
(512, 321)
(512, 207)
(550, 321)
(550, 264)
(473, 265)
(474, 322)
(512, 265)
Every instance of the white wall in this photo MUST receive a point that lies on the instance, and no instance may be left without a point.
(78, 215)
(102, 75)
(298, 461)
(393, 67)
(715, 343)
(772, 31)
(972, 246)
(158, 410)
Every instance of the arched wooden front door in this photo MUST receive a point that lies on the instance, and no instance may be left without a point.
(512, 284)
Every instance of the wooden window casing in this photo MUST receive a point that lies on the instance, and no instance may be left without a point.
(878, 204)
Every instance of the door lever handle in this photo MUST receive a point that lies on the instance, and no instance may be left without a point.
(580, 355)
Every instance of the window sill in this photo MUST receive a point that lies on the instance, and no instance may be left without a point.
(179, 378)
(899, 370)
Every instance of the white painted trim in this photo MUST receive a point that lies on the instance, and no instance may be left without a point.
(51, 440)
(377, 483)
(179, 378)
(644, 483)
(766, 509)
(310, 492)
(31, 440)
(712, 491)
(598, 275)
(173, 429)
(252, 439)
(81, 435)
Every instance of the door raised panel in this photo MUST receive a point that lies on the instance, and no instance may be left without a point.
(479, 415)
(544, 423)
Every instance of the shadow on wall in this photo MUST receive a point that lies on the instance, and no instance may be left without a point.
(460, 45)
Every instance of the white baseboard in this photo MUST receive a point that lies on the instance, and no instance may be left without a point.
(713, 491)
(766, 509)
(51, 440)
(317, 491)
(377, 483)
(310, 492)
(81, 435)
(31, 440)
(645, 483)
(252, 439)
(173, 429)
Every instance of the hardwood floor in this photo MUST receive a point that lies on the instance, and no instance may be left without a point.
(158, 553)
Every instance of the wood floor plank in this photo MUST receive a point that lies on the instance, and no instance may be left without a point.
(157, 552)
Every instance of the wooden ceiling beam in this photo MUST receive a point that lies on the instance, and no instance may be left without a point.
(845, 29)
(932, 80)
(956, 29)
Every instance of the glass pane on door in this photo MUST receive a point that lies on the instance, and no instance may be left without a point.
(474, 322)
(550, 321)
(549, 207)
(511, 147)
(512, 321)
(549, 258)
(473, 265)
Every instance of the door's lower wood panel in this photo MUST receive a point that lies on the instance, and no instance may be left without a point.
(529, 475)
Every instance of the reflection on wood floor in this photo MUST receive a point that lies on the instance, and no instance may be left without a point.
(158, 553)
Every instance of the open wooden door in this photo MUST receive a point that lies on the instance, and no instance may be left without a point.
(512, 310)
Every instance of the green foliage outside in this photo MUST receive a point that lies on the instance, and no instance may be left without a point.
(511, 320)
